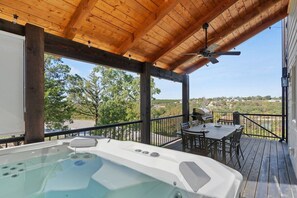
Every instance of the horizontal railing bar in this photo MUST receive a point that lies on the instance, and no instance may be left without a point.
(12, 139)
(255, 114)
(163, 118)
(90, 128)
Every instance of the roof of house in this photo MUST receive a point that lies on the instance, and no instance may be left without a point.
(158, 31)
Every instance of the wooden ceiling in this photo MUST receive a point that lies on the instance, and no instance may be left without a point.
(157, 31)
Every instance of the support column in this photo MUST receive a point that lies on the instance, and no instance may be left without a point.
(145, 103)
(34, 84)
(185, 98)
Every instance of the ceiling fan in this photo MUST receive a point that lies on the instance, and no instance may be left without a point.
(208, 51)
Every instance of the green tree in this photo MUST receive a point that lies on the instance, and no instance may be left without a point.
(58, 109)
(108, 95)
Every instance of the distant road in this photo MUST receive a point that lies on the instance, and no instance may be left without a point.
(77, 124)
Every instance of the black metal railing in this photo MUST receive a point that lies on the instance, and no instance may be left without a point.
(267, 126)
(11, 141)
(120, 131)
(262, 125)
(217, 116)
(164, 130)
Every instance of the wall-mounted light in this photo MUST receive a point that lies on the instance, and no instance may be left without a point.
(129, 56)
(285, 81)
(15, 18)
(89, 44)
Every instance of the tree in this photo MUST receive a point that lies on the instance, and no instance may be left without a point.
(108, 95)
(58, 109)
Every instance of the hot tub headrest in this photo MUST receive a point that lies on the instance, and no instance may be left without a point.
(80, 142)
(194, 175)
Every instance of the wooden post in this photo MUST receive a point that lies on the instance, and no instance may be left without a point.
(145, 103)
(236, 119)
(185, 98)
(34, 84)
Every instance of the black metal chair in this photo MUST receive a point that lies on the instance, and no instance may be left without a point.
(225, 121)
(234, 145)
(200, 143)
(185, 138)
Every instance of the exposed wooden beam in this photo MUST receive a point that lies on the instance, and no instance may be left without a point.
(147, 25)
(227, 29)
(71, 49)
(82, 11)
(220, 8)
(245, 36)
(165, 74)
(8, 26)
(74, 50)
(34, 83)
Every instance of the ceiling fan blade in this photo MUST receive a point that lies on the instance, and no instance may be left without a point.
(212, 47)
(213, 60)
(235, 53)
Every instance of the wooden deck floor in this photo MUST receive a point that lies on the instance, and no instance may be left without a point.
(266, 168)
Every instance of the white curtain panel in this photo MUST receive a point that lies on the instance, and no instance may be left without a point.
(11, 84)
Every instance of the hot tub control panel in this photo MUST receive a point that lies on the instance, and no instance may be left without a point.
(152, 154)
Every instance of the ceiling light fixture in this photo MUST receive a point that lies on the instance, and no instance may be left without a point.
(15, 18)
(89, 44)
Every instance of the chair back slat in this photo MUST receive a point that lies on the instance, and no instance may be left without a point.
(237, 136)
(184, 125)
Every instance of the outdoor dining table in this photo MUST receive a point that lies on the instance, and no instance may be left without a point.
(215, 133)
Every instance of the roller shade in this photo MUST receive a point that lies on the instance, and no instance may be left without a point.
(11, 84)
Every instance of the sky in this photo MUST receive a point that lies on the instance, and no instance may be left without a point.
(257, 71)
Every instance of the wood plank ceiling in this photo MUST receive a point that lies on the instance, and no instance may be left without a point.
(157, 31)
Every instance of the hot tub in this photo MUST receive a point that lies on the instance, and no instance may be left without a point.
(111, 169)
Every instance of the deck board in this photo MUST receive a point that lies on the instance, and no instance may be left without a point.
(253, 174)
(273, 187)
(262, 187)
(266, 168)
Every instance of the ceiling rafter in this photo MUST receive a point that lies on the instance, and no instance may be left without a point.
(220, 8)
(147, 25)
(80, 14)
(252, 32)
(227, 29)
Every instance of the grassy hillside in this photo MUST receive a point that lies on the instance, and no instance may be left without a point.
(251, 104)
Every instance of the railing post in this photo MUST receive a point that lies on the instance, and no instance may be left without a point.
(185, 98)
(236, 119)
(145, 103)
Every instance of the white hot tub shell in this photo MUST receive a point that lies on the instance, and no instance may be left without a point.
(197, 175)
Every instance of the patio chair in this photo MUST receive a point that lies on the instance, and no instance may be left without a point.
(188, 139)
(234, 145)
(200, 142)
(185, 137)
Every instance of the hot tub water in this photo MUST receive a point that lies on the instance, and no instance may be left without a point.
(77, 175)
